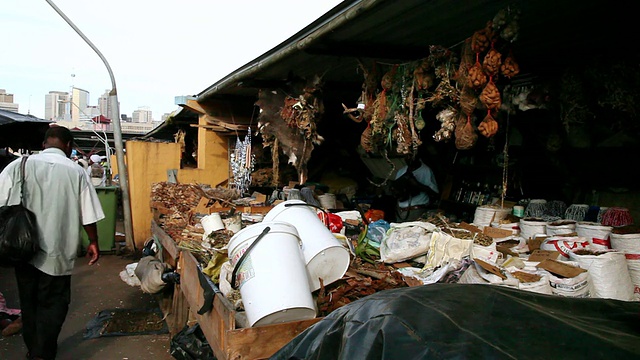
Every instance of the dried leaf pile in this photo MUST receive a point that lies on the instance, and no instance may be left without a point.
(362, 279)
(175, 205)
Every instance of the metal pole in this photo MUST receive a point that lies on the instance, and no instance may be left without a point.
(117, 135)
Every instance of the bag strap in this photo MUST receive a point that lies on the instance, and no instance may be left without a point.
(22, 167)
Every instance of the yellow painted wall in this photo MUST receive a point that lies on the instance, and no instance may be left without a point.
(148, 162)
(213, 159)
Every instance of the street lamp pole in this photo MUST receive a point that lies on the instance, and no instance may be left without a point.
(117, 135)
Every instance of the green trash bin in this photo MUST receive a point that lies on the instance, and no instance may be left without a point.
(108, 196)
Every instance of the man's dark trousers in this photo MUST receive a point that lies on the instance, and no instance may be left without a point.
(44, 303)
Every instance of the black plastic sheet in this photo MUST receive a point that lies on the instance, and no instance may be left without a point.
(469, 321)
(190, 344)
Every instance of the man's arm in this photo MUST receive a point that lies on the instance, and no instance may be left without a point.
(93, 251)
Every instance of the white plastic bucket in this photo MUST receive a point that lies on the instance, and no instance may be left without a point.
(561, 227)
(532, 226)
(211, 223)
(327, 201)
(272, 277)
(596, 233)
(629, 244)
(324, 255)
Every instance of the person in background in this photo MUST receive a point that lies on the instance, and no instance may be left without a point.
(58, 192)
(415, 188)
(96, 171)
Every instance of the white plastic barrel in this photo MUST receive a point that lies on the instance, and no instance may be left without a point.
(272, 278)
(324, 255)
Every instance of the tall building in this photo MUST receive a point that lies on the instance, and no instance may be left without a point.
(104, 104)
(79, 103)
(6, 101)
(142, 115)
(57, 106)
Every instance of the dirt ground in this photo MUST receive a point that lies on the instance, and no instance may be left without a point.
(94, 288)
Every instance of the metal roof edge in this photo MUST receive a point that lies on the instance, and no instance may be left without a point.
(334, 18)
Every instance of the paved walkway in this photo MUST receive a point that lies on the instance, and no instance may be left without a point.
(94, 288)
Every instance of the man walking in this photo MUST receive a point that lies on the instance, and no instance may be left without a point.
(60, 194)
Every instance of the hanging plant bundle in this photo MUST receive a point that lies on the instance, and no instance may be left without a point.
(490, 96)
(492, 62)
(509, 67)
(466, 136)
(365, 140)
(468, 100)
(488, 126)
(477, 78)
(481, 39)
(448, 125)
(290, 122)
(402, 134)
(467, 58)
(422, 78)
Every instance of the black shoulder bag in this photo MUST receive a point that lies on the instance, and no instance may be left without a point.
(19, 235)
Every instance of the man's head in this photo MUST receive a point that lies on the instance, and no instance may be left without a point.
(59, 137)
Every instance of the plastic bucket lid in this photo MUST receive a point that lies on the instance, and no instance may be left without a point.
(324, 255)
(272, 276)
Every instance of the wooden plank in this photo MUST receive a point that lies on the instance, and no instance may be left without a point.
(165, 240)
(261, 342)
(210, 322)
(179, 315)
(211, 127)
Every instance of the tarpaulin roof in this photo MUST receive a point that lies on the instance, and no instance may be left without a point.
(469, 321)
(19, 131)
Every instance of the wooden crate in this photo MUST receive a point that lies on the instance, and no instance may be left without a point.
(219, 324)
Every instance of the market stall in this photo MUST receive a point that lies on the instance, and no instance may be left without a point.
(526, 198)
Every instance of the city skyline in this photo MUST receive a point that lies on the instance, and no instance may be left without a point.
(179, 51)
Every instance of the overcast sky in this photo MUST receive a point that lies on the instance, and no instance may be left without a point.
(157, 49)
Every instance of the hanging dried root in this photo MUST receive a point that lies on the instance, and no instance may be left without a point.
(490, 96)
(481, 39)
(488, 126)
(476, 78)
(354, 114)
(509, 67)
(492, 62)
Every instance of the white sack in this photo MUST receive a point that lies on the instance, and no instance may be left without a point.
(149, 270)
(404, 241)
(444, 247)
(609, 275)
